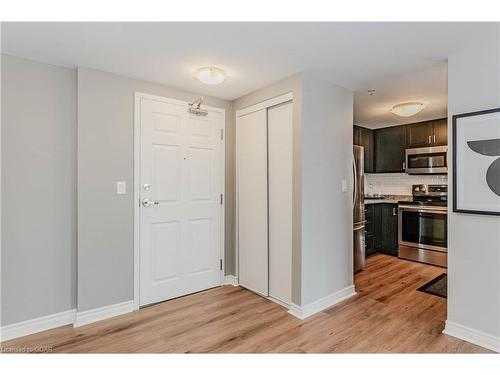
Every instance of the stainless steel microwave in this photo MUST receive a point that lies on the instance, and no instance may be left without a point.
(427, 160)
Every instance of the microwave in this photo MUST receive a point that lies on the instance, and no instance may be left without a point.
(427, 160)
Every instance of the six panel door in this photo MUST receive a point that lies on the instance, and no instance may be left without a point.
(181, 183)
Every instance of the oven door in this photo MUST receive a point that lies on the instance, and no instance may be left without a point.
(427, 160)
(423, 228)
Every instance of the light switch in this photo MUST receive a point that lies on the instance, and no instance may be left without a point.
(344, 186)
(121, 187)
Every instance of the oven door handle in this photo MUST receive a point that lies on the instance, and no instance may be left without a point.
(423, 210)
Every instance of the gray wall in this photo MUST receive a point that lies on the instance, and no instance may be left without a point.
(327, 120)
(473, 240)
(38, 189)
(105, 155)
(291, 84)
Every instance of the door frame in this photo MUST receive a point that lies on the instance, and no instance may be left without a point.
(271, 102)
(138, 96)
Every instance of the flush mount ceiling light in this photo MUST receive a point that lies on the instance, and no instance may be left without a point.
(210, 75)
(407, 109)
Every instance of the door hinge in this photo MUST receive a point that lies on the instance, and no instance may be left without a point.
(221, 199)
(222, 134)
(221, 264)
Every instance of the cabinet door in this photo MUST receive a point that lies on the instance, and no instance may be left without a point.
(356, 135)
(390, 146)
(440, 132)
(389, 233)
(366, 140)
(420, 134)
(369, 230)
(377, 227)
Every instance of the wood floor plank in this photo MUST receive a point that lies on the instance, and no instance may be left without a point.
(387, 315)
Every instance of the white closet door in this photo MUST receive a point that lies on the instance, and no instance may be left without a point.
(280, 201)
(251, 134)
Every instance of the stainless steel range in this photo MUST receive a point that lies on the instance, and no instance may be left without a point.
(423, 225)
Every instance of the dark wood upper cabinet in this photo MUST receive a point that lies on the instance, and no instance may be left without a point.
(420, 134)
(390, 146)
(427, 133)
(385, 148)
(364, 137)
(440, 132)
(355, 135)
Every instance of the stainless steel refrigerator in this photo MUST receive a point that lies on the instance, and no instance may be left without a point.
(358, 202)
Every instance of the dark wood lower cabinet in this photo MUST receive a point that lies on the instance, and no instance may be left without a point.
(381, 230)
(389, 229)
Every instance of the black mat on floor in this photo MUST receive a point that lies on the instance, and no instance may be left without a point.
(437, 286)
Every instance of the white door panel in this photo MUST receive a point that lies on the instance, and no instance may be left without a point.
(252, 201)
(180, 237)
(280, 201)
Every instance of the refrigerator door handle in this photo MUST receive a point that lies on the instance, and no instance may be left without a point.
(355, 192)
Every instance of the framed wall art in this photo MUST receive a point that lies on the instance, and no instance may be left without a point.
(476, 162)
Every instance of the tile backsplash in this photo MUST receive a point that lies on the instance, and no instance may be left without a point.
(398, 183)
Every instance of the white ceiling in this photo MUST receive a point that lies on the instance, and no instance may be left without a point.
(429, 86)
(402, 61)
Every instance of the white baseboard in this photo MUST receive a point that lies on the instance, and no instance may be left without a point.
(231, 280)
(101, 313)
(321, 304)
(472, 335)
(29, 327)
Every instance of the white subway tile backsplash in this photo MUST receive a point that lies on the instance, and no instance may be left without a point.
(398, 183)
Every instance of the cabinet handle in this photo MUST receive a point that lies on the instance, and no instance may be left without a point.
(430, 139)
(404, 166)
(434, 138)
(394, 211)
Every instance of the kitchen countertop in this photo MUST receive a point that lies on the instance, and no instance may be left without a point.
(394, 199)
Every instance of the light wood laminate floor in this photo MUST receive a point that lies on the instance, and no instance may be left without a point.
(387, 315)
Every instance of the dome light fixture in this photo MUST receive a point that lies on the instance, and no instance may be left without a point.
(210, 75)
(407, 109)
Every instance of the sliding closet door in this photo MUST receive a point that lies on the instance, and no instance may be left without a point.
(251, 140)
(280, 201)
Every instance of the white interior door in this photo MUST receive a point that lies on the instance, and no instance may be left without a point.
(251, 134)
(181, 174)
(280, 201)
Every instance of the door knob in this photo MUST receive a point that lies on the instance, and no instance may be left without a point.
(146, 202)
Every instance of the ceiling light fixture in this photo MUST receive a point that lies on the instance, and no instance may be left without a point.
(407, 109)
(210, 75)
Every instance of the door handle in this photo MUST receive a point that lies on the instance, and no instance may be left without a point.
(146, 202)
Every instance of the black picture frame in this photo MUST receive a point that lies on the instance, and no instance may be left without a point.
(454, 150)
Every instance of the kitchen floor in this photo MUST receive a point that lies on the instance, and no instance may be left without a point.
(387, 315)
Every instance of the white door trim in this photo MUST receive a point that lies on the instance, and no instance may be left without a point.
(265, 104)
(241, 112)
(138, 96)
